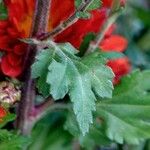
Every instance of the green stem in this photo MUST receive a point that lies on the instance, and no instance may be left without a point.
(95, 44)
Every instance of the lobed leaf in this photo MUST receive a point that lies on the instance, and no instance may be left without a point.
(83, 79)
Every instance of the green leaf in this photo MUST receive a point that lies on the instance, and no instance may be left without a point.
(84, 15)
(3, 11)
(41, 65)
(71, 125)
(126, 116)
(95, 4)
(8, 118)
(42, 86)
(96, 135)
(11, 140)
(40, 68)
(83, 79)
(48, 134)
(112, 55)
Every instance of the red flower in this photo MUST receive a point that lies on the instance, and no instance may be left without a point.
(18, 25)
(3, 113)
(115, 43)
(120, 67)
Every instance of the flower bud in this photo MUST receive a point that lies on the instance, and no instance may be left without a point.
(9, 93)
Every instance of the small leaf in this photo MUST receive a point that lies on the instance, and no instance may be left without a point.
(8, 118)
(95, 4)
(84, 15)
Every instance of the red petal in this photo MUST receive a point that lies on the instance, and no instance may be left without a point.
(3, 112)
(13, 59)
(114, 43)
(107, 3)
(12, 32)
(19, 8)
(4, 42)
(120, 67)
(60, 11)
(9, 70)
(19, 49)
(3, 24)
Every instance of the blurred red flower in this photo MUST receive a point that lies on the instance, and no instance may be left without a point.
(18, 25)
(120, 67)
(3, 113)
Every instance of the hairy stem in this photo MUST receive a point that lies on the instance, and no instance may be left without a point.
(24, 123)
(71, 20)
(99, 37)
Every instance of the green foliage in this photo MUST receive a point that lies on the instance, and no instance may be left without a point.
(12, 141)
(84, 15)
(126, 115)
(49, 134)
(83, 79)
(96, 135)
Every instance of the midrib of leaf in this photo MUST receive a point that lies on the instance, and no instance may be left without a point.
(80, 81)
